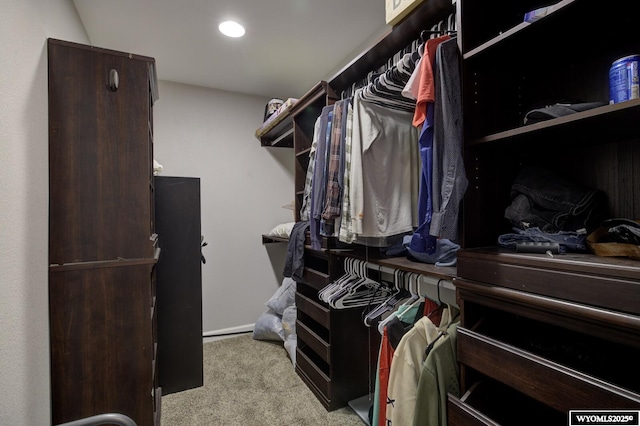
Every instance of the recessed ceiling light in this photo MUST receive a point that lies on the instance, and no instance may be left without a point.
(231, 29)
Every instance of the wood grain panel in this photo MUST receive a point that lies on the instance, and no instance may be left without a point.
(101, 343)
(548, 382)
(99, 165)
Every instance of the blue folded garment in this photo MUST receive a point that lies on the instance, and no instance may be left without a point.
(568, 241)
(444, 254)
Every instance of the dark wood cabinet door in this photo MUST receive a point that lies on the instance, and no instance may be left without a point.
(102, 344)
(99, 165)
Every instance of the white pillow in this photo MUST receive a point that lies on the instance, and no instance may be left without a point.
(283, 230)
(284, 296)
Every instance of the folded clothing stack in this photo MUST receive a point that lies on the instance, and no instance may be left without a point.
(541, 199)
(275, 118)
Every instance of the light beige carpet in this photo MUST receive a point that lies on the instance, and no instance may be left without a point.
(250, 383)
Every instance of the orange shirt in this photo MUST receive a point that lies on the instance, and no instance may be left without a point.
(426, 85)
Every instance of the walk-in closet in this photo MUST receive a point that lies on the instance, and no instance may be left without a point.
(294, 212)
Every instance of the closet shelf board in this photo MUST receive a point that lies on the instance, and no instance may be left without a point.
(268, 239)
(284, 140)
(404, 264)
(515, 31)
(614, 280)
(281, 134)
(619, 118)
(303, 152)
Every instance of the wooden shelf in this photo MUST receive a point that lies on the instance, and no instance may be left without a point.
(608, 122)
(514, 31)
(269, 239)
(281, 135)
(303, 152)
(405, 264)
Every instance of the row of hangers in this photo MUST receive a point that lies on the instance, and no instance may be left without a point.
(415, 49)
(412, 290)
(407, 291)
(447, 26)
(355, 288)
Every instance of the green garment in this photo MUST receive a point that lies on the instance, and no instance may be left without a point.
(439, 376)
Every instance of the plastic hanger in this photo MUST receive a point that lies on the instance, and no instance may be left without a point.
(361, 292)
(400, 294)
(440, 304)
(380, 309)
(414, 297)
(352, 289)
(350, 276)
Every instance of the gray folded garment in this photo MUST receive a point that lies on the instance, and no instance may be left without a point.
(558, 110)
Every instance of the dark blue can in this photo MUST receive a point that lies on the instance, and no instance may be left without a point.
(624, 83)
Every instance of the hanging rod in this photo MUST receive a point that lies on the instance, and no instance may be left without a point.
(436, 289)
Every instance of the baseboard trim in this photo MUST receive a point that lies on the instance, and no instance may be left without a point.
(231, 330)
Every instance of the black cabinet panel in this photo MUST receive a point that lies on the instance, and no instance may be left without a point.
(179, 283)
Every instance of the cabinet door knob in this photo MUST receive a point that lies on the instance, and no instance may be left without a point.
(113, 80)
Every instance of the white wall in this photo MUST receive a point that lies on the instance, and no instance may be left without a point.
(24, 307)
(209, 134)
(199, 132)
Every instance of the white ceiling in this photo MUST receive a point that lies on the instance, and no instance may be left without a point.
(289, 45)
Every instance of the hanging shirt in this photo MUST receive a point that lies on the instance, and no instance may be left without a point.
(440, 375)
(346, 234)
(306, 203)
(325, 229)
(385, 169)
(410, 90)
(449, 178)
(405, 315)
(384, 367)
(353, 182)
(318, 187)
(332, 203)
(406, 369)
(425, 88)
(422, 241)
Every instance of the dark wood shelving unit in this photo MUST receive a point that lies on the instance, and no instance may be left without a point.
(335, 348)
(536, 315)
